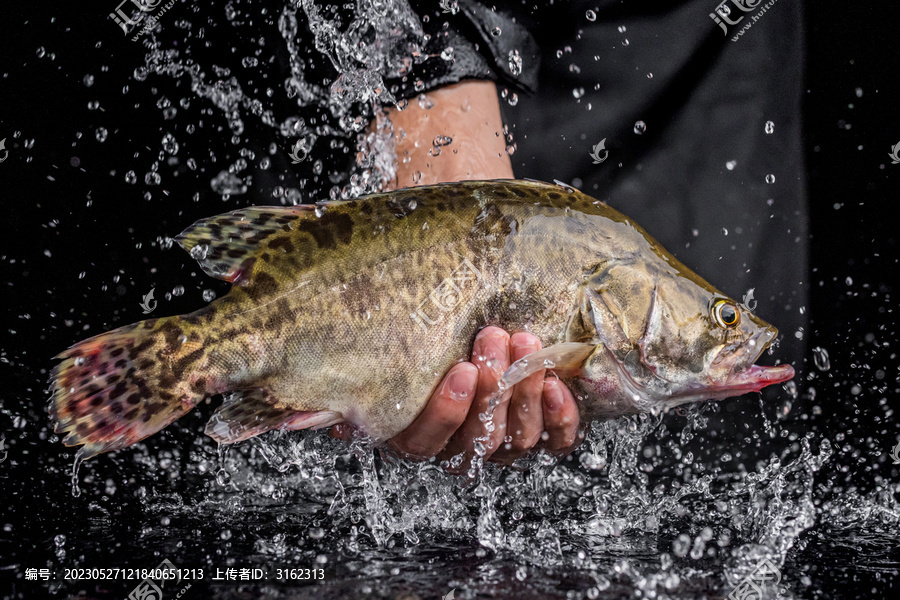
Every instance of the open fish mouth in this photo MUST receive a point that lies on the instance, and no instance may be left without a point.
(756, 377)
(753, 377)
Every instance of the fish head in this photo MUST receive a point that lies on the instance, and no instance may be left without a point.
(663, 337)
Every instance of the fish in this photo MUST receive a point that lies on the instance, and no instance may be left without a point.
(352, 311)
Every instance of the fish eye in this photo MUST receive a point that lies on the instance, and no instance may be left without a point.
(726, 314)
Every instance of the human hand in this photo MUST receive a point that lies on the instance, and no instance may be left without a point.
(450, 426)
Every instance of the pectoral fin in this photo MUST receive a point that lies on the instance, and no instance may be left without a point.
(565, 359)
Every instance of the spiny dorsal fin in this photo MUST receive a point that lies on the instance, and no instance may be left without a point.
(292, 239)
(224, 245)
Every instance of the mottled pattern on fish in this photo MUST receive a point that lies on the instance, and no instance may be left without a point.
(352, 311)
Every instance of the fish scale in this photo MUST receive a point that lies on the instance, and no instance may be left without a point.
(351, 312)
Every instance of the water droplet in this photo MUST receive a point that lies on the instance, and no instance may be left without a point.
(169, 144)
(515, 63)
(130, 177)
(770, 178)
(859, 92)
(209, 295)
(101, 134)
(88, 80)
(226, 183)
(621, 29)
(730, 165)
(223, 477)
(640, 127)
(496, 31)
(849, 281)
(724, 231)
(41, 52)
(447, 53)
(178, 290)
(820, 356)
(770, 127)
(76, 491)
(649, 75)
(625, 42)
(791, 388)
(591, 15)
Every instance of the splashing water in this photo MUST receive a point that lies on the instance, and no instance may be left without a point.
(635, 511)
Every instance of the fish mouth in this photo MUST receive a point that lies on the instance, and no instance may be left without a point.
(752, 377)
(756, 377)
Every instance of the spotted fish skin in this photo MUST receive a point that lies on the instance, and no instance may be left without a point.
(352, 311)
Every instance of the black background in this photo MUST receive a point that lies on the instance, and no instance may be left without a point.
(71, 223)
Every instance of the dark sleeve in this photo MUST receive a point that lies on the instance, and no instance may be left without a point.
(465, 45)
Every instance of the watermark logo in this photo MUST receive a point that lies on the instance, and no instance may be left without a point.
(751, 587)
(895, 153)
(749, 301)
(299, 152)
(140, 10)
(463, 282)
(6, 152)
(449, 6)
(595, 153)
(895, 454)
(725, 16)
(148, 298)
(450, 596)
(152, 586)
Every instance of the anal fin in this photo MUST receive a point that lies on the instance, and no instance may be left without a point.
(248, 413)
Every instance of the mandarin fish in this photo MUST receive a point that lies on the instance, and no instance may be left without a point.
(352, 311)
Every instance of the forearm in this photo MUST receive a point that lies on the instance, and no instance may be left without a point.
(468, 114)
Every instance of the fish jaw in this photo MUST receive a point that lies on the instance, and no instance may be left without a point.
(742, 375)
(756, 377)
(618, 390)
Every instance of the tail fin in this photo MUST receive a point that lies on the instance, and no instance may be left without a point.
(117, 388)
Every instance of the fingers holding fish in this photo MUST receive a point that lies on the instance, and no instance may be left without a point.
(490, 354)
(525, 421)
(561, 417)
(445, 412)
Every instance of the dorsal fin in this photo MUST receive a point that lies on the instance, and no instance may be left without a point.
(279, 243)
(224, 245)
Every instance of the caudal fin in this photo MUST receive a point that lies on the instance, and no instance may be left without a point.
(117, 388)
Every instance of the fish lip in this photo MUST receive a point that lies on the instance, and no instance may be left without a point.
(753, 377)
(756, 377)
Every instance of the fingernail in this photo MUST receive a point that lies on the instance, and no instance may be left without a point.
(460, 384)
(523, 340)
(553, 399)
